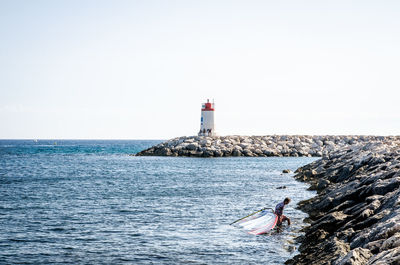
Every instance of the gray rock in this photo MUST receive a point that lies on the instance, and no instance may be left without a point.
(358, 256)
(248, 152)
(205, 142)
(218, 153)
(322, 184)
(192, 146)
(236, 152)
(208, 153)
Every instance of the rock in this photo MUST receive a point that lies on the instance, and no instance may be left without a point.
(205, 142)
(163, 152)
(207, 153)
(285, 171)
(310, 173)
(322, 184)
(358, 256)
(236, 152)
(238, 147)
(218, 153)
(281, 187)
(387, 257)
(269, 152)
(391, 242)
(258, 152)
(248, 152)
(227, 152)
(244, 145)
(192, 146)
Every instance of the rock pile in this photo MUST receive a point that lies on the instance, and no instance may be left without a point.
(270, 145)
(355, 218)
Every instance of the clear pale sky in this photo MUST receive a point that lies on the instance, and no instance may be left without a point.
(141, 69)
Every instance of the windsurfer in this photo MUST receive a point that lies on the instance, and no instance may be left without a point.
(279, 212)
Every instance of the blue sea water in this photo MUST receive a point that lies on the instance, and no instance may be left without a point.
(89, 202)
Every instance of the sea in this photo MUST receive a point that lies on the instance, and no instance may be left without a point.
(92, 202)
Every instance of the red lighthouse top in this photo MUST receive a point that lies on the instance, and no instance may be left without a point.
(208, 106)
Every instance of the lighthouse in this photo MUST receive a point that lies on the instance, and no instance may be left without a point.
(207, 127)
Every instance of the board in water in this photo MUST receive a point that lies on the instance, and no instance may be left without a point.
(259, 223)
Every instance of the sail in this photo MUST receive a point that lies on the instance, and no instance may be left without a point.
(259, 223)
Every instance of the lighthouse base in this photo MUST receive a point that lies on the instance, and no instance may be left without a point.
(206, 133)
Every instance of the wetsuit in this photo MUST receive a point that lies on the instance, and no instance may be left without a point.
(279, 212)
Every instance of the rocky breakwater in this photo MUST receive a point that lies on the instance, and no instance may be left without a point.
(355, 218)
(270, 145)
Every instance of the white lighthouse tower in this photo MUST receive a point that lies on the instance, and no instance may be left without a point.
(207, 127)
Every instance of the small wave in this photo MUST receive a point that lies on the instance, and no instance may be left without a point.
(27, 240)
(86, 239)
(57, 229)
(18, 240)
(125, 211)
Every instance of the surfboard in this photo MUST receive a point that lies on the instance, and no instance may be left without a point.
(259, 223)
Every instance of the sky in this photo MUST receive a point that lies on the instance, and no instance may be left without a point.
(141, 69)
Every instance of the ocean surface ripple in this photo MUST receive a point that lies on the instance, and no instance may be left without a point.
(88, 202)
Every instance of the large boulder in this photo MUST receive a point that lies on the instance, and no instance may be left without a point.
(192, 146)
(358, 256)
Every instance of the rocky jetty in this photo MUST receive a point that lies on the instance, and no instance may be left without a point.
(355, 218)
(269, 145)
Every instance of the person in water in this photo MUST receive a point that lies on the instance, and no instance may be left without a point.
(279, 212)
